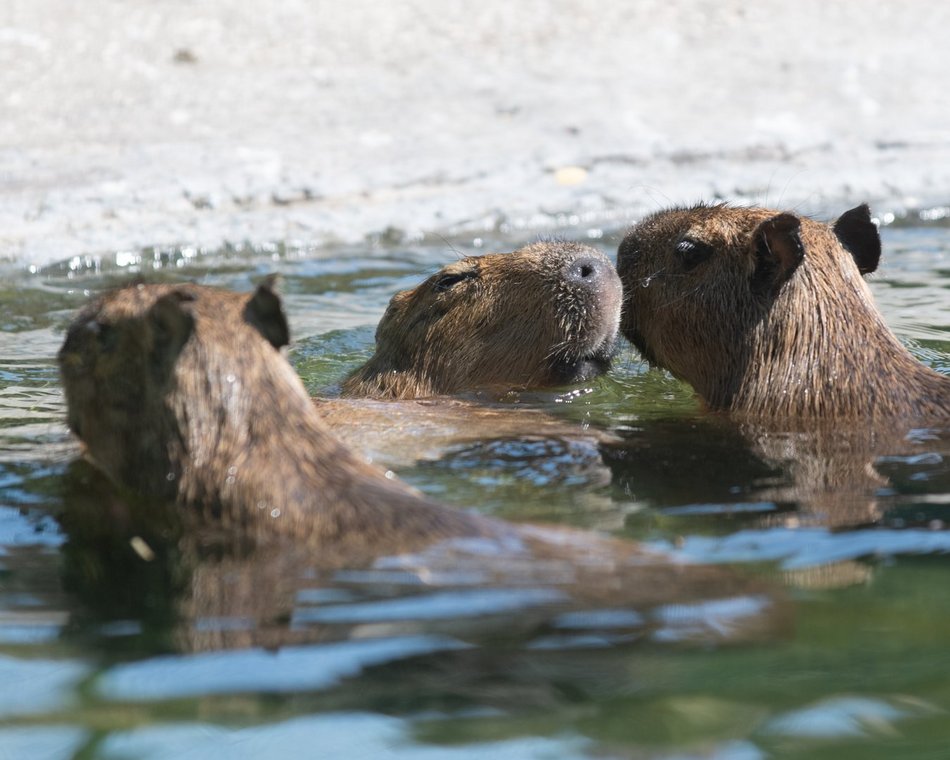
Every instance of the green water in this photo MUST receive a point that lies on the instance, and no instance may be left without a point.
(93, 663)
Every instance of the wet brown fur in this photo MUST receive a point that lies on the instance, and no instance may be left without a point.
(502, 320)
(181, 395)
(768, 314)
(177, 396)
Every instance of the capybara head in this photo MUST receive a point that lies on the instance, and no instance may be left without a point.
(767, 312)
(544, 315)
(149, 373)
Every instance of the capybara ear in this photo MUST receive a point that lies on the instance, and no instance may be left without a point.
(778, 252)
(171, 322)
(264, 312)
(859, 235)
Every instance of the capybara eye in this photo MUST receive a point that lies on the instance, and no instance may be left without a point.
(106, 337)
(450, 279)
(692, 252)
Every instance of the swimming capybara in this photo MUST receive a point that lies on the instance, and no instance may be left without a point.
(180, 394)
(767, 314)
(544, 315)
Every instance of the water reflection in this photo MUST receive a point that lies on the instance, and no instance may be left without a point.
(197, 590)
(842, 475)
(336, 735)
(50, 742)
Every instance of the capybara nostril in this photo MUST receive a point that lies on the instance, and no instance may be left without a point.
(585, 270)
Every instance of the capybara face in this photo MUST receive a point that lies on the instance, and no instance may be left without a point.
(766, 312)
(134, 365)
(544, 315)
(694, 284)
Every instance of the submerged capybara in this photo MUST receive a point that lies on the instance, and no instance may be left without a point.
(767, 314)
(544, 315)
(181, 395)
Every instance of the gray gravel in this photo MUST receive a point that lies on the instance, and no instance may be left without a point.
(129, 123)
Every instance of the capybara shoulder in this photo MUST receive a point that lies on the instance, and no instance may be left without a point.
(544, 315)
(767, 313)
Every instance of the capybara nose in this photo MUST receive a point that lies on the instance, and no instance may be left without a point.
(587, 270)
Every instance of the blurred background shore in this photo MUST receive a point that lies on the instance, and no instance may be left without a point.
(126, 124)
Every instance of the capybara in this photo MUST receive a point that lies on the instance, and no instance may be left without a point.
(767, 314)
(180, 394)
(544, 315)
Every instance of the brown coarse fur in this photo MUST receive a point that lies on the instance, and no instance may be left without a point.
(767, 314)
(180, 393)
(544, 315)
(181, 397)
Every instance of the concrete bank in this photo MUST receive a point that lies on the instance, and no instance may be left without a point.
(126, 124)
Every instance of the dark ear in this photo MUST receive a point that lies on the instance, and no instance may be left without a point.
(264, 311)
(778, 248)
(172, 322)
(859, 236)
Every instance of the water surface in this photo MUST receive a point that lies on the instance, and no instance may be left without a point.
(96, 662)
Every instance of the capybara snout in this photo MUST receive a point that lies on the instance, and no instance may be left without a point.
(588, 270)
(544, 315)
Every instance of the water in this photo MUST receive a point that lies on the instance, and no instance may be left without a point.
(106, 655)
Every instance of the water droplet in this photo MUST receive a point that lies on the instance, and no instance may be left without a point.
(262, 505)
(140, 547)
(390, 474)
(230, 378)
(170, 477)
(275, 513)
(229, 480)
(645, 283)
(232, 470)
